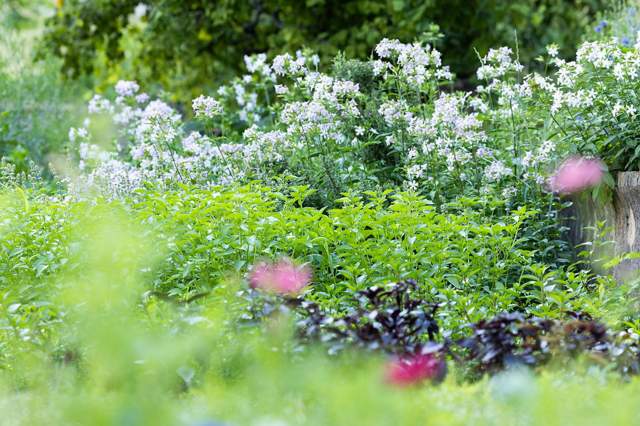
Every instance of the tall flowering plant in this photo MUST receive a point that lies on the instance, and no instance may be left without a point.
(593, 101)
(391, 122)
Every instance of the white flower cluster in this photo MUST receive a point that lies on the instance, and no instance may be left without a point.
(508, 130)
(395, 113)
(258, 64)
(206, 107)
(99, 105)
(288, 65)
(496, 171)
(415, 63)
(158, 123)
(152, 147)
(331, 103)
(127, 88)
(600, 79)
(497, 63)
(451, 135)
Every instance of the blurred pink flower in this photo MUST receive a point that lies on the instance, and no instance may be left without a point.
(283, 277)
(413, 369)
(576, 174)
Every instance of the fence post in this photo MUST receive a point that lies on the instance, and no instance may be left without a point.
(627, 222)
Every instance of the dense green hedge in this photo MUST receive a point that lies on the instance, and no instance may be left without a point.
(188, 44)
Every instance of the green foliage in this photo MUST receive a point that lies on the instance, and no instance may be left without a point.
(36, 106)
(186, 46)
(131, 309)
(169, 366)
(471, 264)
(110, 357)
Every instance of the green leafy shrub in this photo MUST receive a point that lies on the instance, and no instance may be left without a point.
(185, 46)
(470, 264)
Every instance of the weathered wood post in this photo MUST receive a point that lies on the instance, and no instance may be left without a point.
(622, 217)
(581, 219)
(627, 223)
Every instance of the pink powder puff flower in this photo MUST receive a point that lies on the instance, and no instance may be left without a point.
(283, 277)
(413, 369)
(576, 174)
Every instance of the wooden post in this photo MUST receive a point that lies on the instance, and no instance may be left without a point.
(581, 220)
(627, 223)
(622, 217)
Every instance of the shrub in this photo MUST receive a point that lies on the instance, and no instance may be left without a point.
(396, 319)
(200, 41)
(469, 264)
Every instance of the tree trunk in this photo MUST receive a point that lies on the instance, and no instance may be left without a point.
(627, 223)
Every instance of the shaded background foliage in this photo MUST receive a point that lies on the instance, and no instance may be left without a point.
(190, 45)
(37, 106)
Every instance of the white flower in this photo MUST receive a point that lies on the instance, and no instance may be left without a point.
(552, 50)
(206, 107)
(417, 64)
(379, 66)
(558, 101)
(98, 105)
(125, 116)
(386, 46)
(411, 185)
(619, 72)
(394, 112)
(617, 109)
(416, 171)
(142, 98)
(509, 192)
(497, 63)
(598, 54)
(258, 64)
(158, 123)
(280, 89)
(78, 134)
(279, 62)
(137, 152)
(140, 11)
(496, 171)
(127, 88)
(478, 105)
(483, 152)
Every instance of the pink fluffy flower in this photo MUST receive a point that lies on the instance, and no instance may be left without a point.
(283, 277)
(576, 174)
(413, 369)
